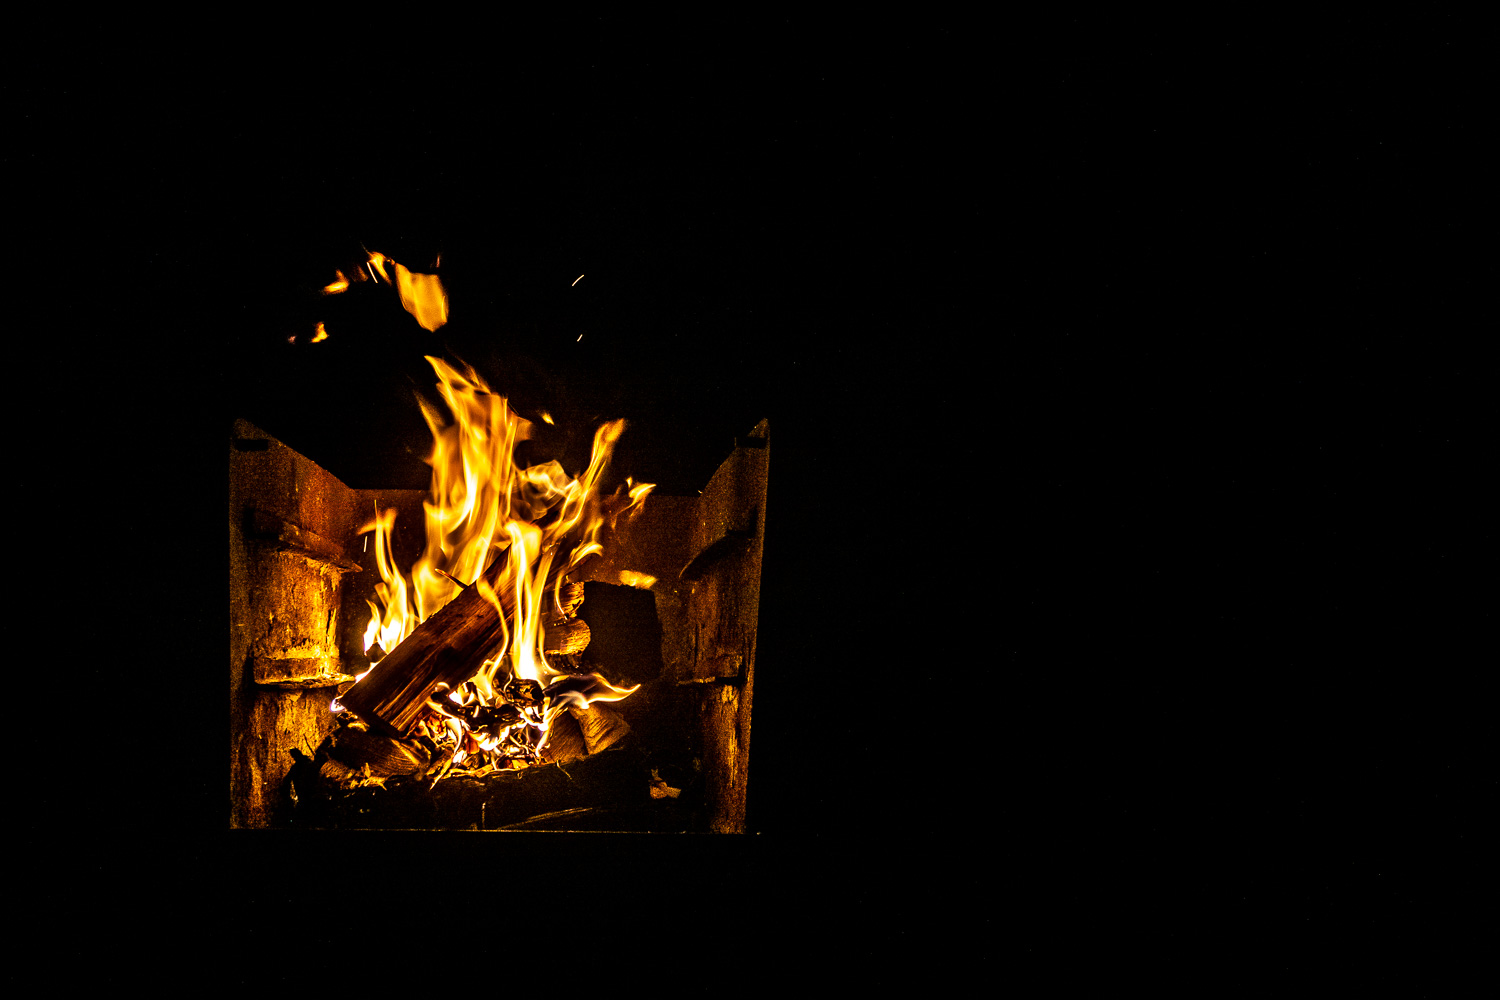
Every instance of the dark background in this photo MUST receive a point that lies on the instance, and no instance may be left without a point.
(735, 225)
(1124, 390)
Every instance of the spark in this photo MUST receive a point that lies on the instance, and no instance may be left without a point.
(576, 280)
(580, 337)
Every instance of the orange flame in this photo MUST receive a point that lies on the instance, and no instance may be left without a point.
(500, 528)
(422, 295)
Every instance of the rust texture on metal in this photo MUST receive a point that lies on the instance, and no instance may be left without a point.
(296, 593)
(277, 534)
(284, 603)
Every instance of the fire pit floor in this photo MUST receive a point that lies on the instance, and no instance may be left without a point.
(626, 788)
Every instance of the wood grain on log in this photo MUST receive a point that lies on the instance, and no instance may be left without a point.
(447, 648)
(565, 639)
(601, 725)
(565, 742)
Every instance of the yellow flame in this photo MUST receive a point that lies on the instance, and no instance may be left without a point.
(377, 265)
(395, 623)
(423, 296)
(501, 529)
(321, 334)
(630, 578)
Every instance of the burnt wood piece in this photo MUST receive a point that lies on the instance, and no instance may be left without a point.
(447, 648)
(609, 791)
(565, 638)
(562, 633)
(572, 600)
(350, 749)
(602, 727)
(565, 742)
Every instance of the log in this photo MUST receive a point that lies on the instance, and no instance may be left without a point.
(565, 638)
(565, 742)
(348, 750)
(602, 792)
(572, 600)
(601, 726)
(563, 634)
(447, 648)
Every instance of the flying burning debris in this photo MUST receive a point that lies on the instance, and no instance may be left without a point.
(422, 295)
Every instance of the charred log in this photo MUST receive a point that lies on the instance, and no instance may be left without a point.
(565, 742)
(353, 752)
(607, 791)
(448, 648)
(602, 727)
(565, 638)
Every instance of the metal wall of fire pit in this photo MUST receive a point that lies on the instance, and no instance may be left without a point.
(299, 580)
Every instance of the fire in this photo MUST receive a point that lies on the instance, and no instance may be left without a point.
(422, 295)
(502, 529)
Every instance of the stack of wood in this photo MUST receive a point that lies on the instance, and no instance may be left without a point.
(440, 654)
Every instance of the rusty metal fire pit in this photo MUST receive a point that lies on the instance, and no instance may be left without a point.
(675, 596)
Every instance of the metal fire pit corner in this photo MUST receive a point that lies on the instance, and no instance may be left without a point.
(285, 593)
(704, 554)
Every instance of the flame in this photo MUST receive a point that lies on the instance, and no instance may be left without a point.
(630, 578)
(422, 295)
(502, 529)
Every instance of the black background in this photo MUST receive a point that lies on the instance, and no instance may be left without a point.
(1124, 398)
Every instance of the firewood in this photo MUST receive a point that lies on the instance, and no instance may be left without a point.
(565, 741)
(447, 648)
(351, 748)
(601, 725)
(565, 639)
(572, 599)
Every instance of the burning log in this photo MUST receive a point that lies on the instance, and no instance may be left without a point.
(565, 638)
(448, 648)
(565, 742)
(570, 600)
(352, 750)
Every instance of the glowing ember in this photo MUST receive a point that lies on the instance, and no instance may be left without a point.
(501, 529)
